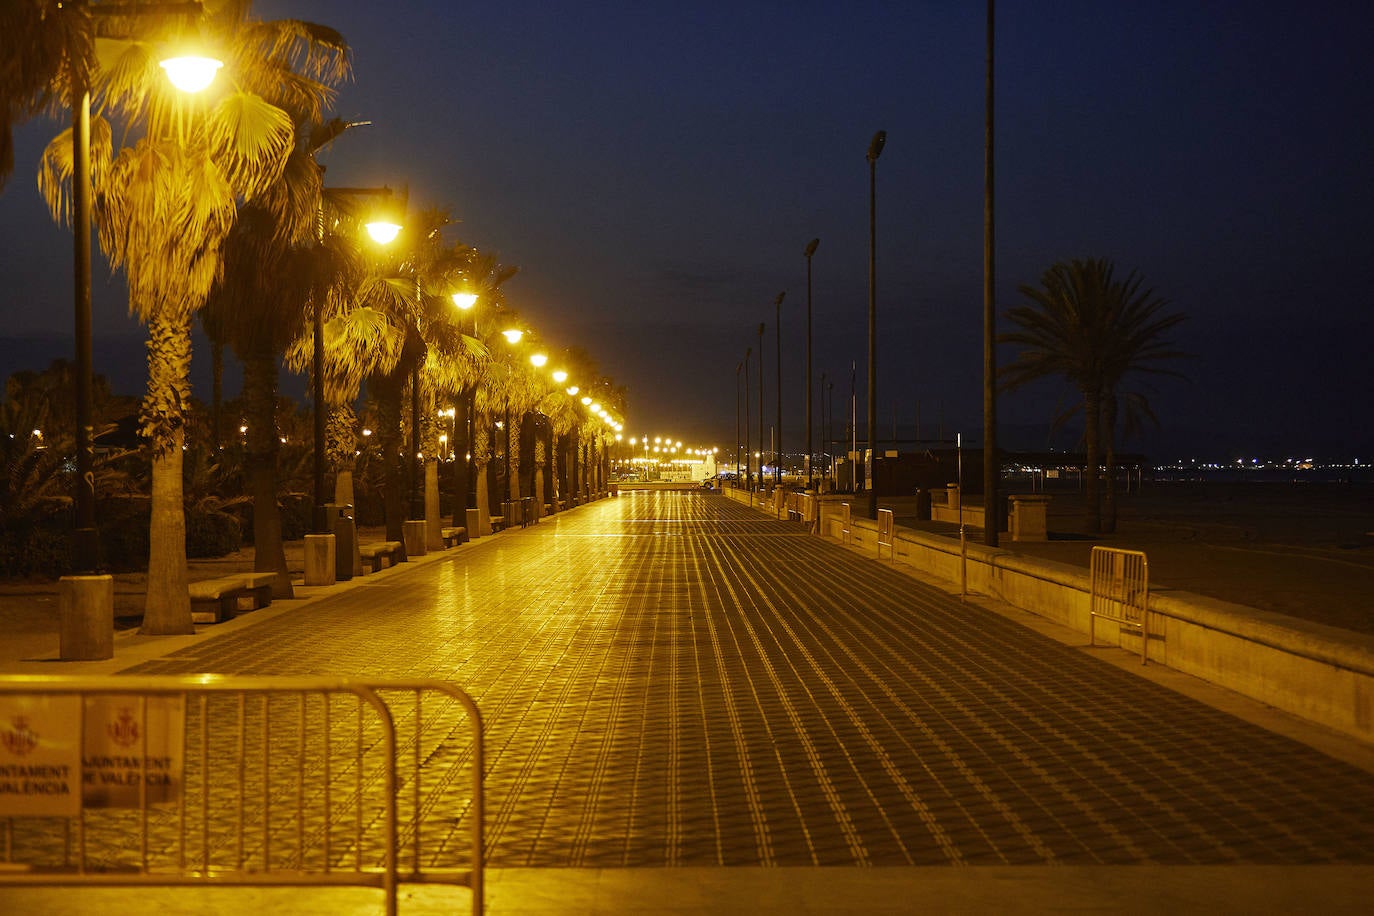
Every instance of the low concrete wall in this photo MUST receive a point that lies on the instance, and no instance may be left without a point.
(1320, 673)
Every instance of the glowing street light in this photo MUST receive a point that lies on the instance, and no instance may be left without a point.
(191, 73)
(559, 376)
(538, 360)
(85, 539)
(513, 335)
(383, 231)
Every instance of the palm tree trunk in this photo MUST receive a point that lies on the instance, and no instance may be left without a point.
(433, 524)
(1109, 441)
(461, 449)
(341, 451)
(260, 407)
(481, 455)
(1092, 490)
(167, 607)
(539, 462)
(513, 457)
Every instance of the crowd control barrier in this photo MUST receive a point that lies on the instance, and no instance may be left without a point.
(215, 780)
(1119, 590)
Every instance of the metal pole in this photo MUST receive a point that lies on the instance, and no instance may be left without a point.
(321, 522)
(875, 149)
(777, 334)
(85, 538)
(992, 465)
(417, 472)
(825, 443)
(738, 367)
(748, 459)
(810, 450)
(761, 326)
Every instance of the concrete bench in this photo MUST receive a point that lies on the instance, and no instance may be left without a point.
(217, 600)
(374, 554)
(453, 536)
(497, 522)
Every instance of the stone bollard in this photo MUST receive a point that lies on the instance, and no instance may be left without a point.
(1029, 518)
(320, 559)
(413, 533)
(474, 523)
(953, 498)
(85, 618)
(346, 555)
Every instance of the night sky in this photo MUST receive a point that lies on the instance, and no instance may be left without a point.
(657, 168)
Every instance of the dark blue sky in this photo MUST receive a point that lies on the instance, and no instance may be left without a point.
(656, 169)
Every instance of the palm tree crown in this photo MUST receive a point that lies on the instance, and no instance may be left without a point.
(1087, 326)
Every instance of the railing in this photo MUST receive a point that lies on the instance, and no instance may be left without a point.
(1119, 588)
(212, 780)
(887, 527)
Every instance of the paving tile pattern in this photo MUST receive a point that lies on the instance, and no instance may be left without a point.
(672, 679)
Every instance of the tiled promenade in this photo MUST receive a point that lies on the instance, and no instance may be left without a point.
(671, 679)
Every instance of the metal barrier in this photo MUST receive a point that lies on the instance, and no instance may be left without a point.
(887, 527)
(845, 534)
(1120, 590)
(211, 780)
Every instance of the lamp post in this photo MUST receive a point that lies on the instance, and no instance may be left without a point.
(825, 441)
(748, 460)
(811, 247)
(738, 367)
(188, 74)
(761, 405)
(382, 230)
(777, 333)
(992, 466)
(875, 149)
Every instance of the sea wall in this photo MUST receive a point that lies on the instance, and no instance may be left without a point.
(1319, 673)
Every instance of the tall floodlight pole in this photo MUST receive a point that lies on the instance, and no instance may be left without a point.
(761, 326)
(875, 149)
(748, 461)
(777, 365)
(825, 441)
(739, 366)
(810, 450)
(992, 465)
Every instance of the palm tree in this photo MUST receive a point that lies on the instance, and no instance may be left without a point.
(163, 209)
(260, 306)
(45, 57)
(1094, 330)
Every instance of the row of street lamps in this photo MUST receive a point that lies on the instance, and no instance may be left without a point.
(191, 74)
(875, 149)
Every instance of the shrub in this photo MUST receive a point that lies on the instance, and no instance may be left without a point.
(123, 525)
(212, 533)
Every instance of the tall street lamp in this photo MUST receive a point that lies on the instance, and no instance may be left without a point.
(383, 230)
(748, 461)
(777, 333)
(825, 435)
(188, 74)
(811, 247)
(875, 149)
(738, 367)
(992, 465)
(761, 326)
